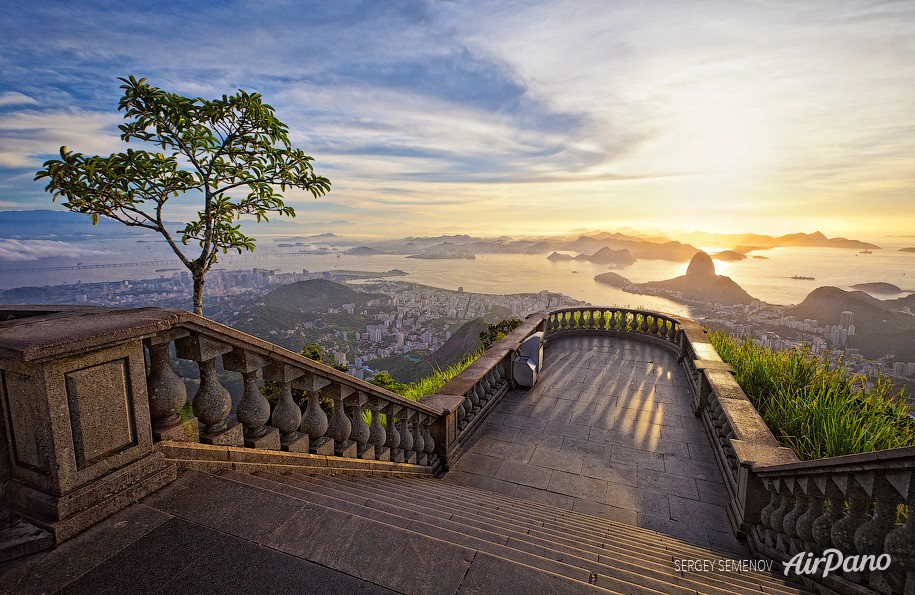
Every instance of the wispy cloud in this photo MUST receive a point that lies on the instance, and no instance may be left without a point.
(29, 250)
(449, 113)
(16, 98)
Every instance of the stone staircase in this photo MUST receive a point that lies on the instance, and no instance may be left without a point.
(428, 535)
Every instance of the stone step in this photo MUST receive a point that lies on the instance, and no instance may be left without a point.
(513, 513)
(216, 466)
(483, 517)
(579, 524)
(19, 537)
(639, 546)
(617, 571)
(578, 575)
(190, 452)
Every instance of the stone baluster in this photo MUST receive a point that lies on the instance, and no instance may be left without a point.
(900, 543)
(419, 445)
(789, 523)
(340, 427)
(654, 328)
(167, 392)
(287, 417)
(767, 535)
(815, 502)
(392, 441)
(428, 442)
(499, 372)
(870, 537)
(462, 419)
(212, 402)
(475, 404)
(406, 437)
(314, 420)
(835, 508)
(843, 531)
(612, 322)
(487, 388)
(778, 515)
(377, 434)
(360, 430)
(643, 327)
(253, 411)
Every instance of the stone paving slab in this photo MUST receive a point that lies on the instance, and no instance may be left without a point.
(609, 431)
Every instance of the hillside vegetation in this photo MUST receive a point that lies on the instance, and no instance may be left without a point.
(815, 409)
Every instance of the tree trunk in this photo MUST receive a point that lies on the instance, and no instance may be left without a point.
(198, 291)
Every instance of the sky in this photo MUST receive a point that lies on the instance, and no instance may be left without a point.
(519, 118)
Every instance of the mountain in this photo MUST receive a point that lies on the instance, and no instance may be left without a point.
(537, 248)
(407, 368)
(878, 329)
(556, 257)
(700, 283)
(317, 295)
(608, 256)
(64, 225)
(745, 242)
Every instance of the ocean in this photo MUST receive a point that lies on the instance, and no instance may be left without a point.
(768, 279)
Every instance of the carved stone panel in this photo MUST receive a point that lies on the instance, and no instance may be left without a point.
(101, 411)
(25, 420)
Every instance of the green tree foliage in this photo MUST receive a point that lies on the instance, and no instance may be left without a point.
(313, 352)
(497, 332)
(386, 381)
(231, 152)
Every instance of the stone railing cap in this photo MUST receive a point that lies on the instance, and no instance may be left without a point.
(72, 330)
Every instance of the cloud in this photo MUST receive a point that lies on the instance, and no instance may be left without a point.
(28, 137)
(16, 98)
(28, 250)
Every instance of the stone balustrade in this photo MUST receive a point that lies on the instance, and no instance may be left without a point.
(859, 505)
(86, 393)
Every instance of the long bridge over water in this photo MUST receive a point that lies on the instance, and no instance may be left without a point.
(145, 263)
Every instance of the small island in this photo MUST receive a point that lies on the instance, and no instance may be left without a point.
(729, 256)
(907, 249)
(361, 251)
(880, 287)
(613, 279)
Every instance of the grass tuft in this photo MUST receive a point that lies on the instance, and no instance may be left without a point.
(816, 409)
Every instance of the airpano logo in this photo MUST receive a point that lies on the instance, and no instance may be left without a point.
(832, 560)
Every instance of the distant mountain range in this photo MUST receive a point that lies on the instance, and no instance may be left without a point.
(746, 242)
(65, 225)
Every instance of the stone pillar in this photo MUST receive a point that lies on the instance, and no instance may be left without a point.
(79, 433)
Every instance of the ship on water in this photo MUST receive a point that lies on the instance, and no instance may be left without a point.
(802, 278)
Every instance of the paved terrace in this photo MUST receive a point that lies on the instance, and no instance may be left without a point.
(608, 431)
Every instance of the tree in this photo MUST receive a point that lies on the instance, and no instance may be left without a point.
(233, 152)
(497, 332)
